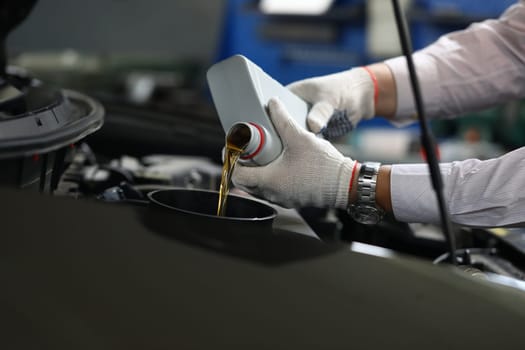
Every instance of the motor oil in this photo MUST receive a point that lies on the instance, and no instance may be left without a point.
(241, 91)
(237, 140)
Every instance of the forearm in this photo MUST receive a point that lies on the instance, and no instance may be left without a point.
(478, 193)
(383, 193)
(466, 70)
(387, 94)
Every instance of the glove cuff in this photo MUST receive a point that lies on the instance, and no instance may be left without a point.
(376, 85)
(344, 183)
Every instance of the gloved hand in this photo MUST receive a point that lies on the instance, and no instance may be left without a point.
(309, 171)
(339, 100)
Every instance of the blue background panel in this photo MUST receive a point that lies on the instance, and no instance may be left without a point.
(286, 59)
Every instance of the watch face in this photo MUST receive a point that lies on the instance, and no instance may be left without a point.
(365, 214)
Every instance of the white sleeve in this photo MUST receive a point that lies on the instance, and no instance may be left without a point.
(467, 70)
(478, 193)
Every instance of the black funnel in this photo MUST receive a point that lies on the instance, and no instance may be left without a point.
(199, 208)
(245, 232)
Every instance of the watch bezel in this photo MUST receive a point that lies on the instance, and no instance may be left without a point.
(366, 214)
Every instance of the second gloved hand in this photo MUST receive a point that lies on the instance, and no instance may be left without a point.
(339, 101)
(309, 172)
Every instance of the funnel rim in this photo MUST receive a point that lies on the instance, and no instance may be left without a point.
(272, 216)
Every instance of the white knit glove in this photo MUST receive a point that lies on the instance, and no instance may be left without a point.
(309, 171)
(339, 100)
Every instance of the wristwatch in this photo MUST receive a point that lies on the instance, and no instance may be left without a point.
(364, 209)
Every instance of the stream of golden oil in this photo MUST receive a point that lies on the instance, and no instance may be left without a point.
(231, 156)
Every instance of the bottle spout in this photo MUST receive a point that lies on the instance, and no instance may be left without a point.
(248, 137)
(239, 136)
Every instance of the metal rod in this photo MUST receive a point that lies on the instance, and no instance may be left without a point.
(427, 140)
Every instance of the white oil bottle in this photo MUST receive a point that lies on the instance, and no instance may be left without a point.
(241, 91)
